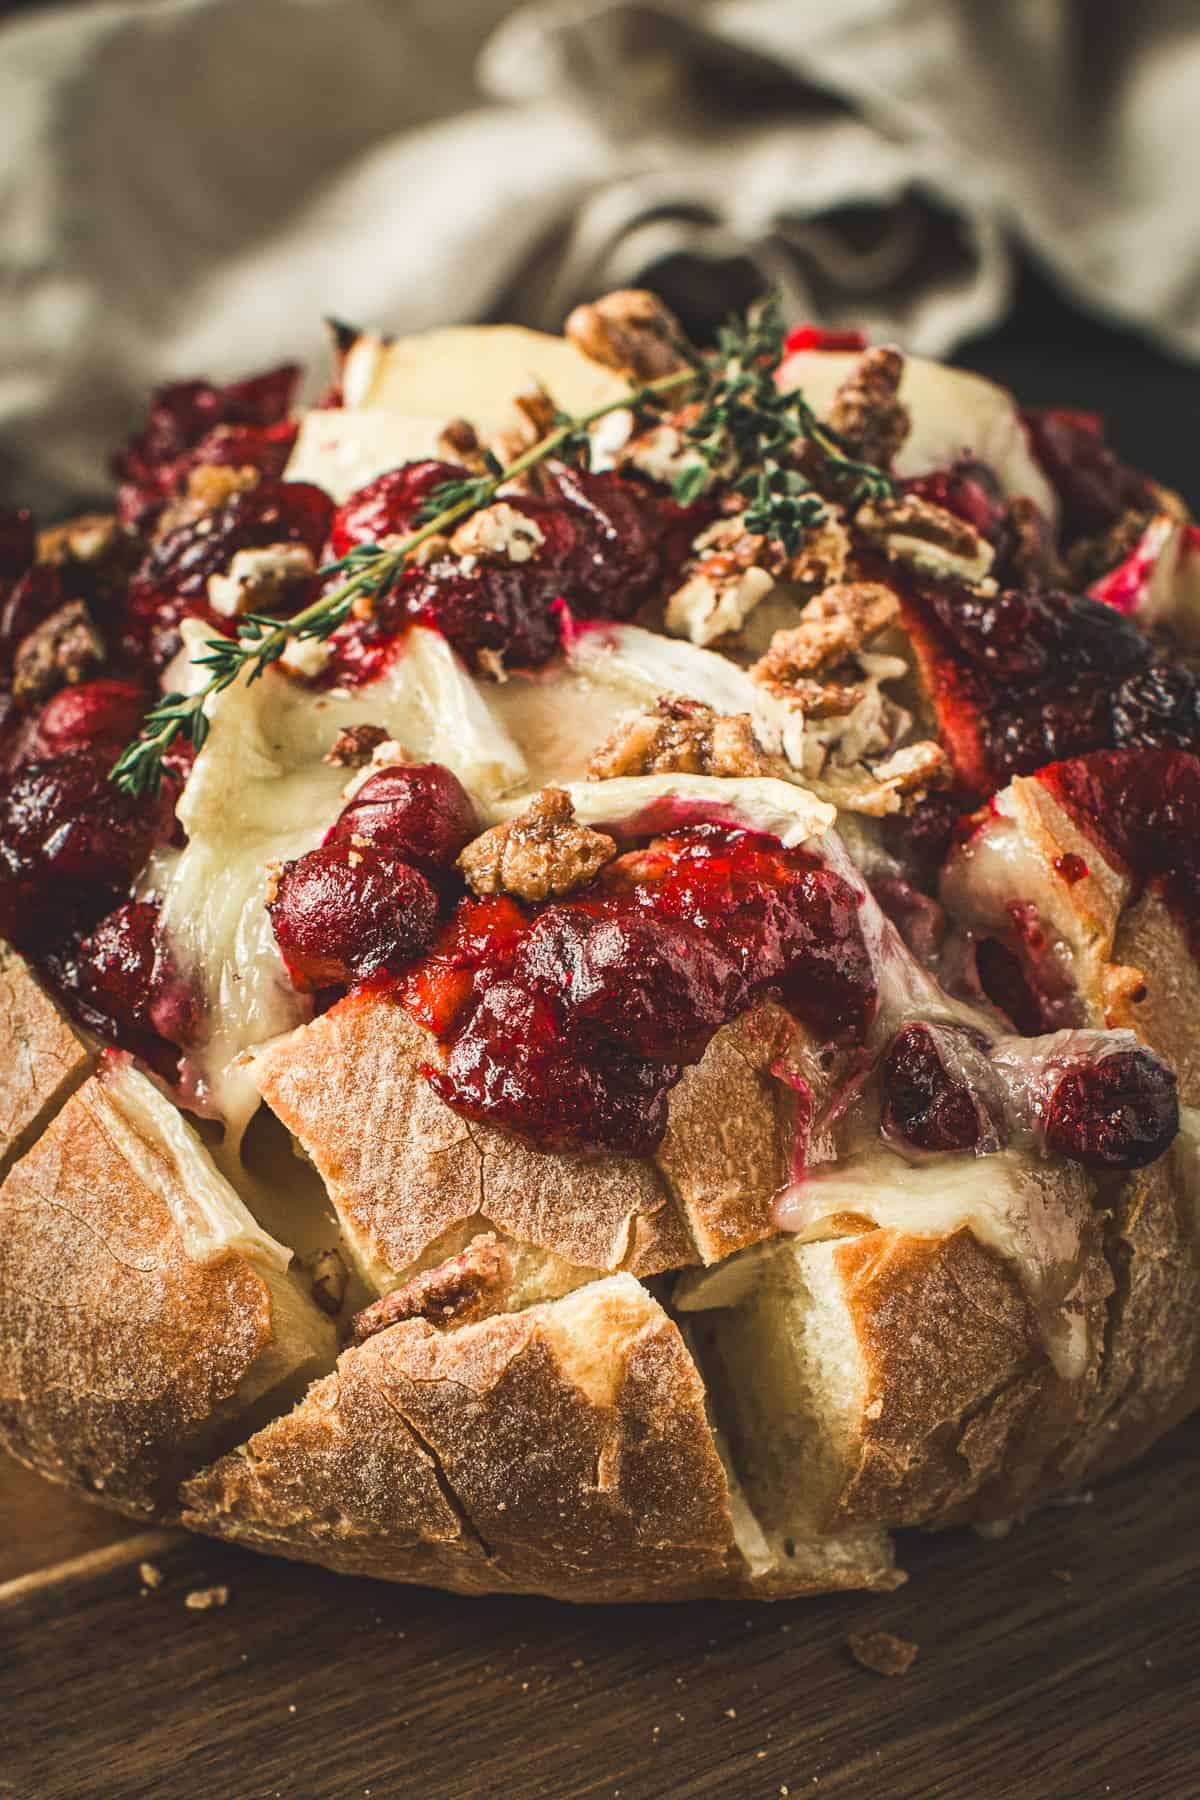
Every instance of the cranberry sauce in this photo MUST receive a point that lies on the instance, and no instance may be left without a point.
(172, 583)
(607, 545)
(1093, 487)
(569, 1023)
(188, 423)
(1023, 679)
(1143, 808)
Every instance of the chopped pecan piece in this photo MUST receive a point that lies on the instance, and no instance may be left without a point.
(926, 537)
(734, 571)
(498, 533)
(92, 538)
(834, 625)
(867, 413)
(458, 442)
(823, 555)
(473, 1285)
(885, 786)
(542, 853)
(209, 486)
(354, 746)
(257, 580)
(61, 649)
(630, 330)
(682, 737)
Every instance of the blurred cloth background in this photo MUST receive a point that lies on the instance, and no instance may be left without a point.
(188, 185)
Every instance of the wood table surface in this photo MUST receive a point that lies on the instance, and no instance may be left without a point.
(1061, 1663)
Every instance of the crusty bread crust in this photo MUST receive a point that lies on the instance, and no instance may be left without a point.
(411, 1180)
(564, 1450)
(121, 1356)
(41, 1057)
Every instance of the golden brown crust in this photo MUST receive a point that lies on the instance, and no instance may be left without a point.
(564, 1450)
(119, 1353)
(408, 1176)
(41, 1058)
(730, 1133)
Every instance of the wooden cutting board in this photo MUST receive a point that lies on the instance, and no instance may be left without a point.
(1059, 1664)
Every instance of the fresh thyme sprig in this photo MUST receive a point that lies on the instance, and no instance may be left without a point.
(745, 431)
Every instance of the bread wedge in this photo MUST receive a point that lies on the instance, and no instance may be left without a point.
(563, 1450)
(145, 1311)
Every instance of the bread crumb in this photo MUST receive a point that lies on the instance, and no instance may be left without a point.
(731, 1712)
(202, 1599)
(151, 1574)
(1063, 1575)
(882, 1652)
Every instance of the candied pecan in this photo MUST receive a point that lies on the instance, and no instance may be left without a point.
(867, 413)
(734, 570)
(472, 1285)
(1091, 557)
(327, 1276)
(498, 533)
(458, 442)
(257, 580)
(544, 852)
(354, 746)
(833, 626)
(927, 537)
(61, 649)
(682, 737)
(823, 555)
(630, 330)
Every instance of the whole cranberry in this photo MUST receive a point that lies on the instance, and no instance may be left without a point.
(934, 1089)
(1119, 1112)
(120, 981)
(389, 505)
(32, 598)
(1157, 708)
(342, 914)
(418, 811)
(106, 711)
(71, 841)
(497, 607)
(1093, 487)
(511, 1066)
(655, 986)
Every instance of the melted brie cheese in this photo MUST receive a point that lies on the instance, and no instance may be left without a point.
(342, 449)
(159, 1143)
(259, 793)
(1029, 1212)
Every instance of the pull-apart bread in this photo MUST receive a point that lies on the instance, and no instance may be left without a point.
(598, 993)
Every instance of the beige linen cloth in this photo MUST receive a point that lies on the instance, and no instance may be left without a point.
(187, 186)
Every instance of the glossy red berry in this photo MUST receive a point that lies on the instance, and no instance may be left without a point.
(105, 712)
(934, 1081)
(344, 913)
(390, 505)
(1117, 1112)
(418, 811)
